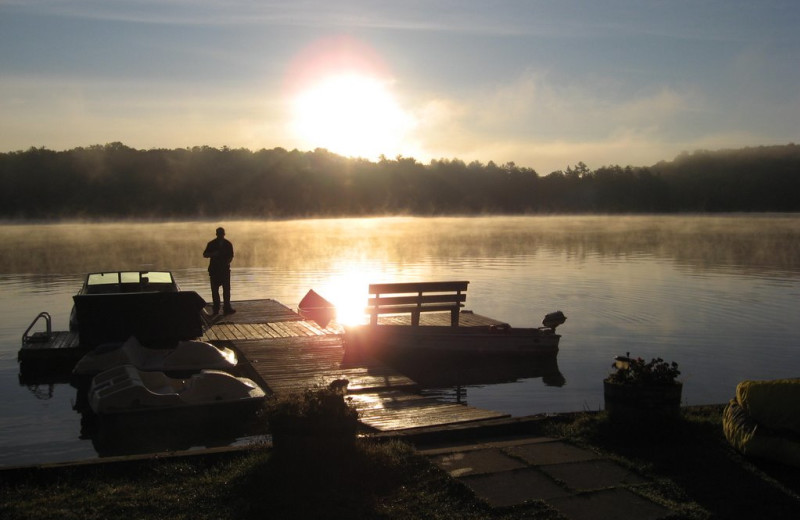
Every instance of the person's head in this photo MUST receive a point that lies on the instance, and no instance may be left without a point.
(220, 232)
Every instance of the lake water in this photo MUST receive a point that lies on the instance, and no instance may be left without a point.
(717, 294)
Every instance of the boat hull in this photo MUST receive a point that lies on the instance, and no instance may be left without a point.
(127, 392)
(464, 340)
(316, 308)
(185, 415)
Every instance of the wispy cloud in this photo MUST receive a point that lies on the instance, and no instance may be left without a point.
(313, 13)
(521, 119)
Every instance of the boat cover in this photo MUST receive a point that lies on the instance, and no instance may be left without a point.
(773, 404)
(754, 440)
(152, 317)
(186, 356)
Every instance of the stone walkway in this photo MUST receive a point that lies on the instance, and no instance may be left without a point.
(578, 483)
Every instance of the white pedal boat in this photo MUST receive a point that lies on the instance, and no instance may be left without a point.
(125, 390)
(185, 358)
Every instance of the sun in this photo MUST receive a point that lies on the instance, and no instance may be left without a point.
(351, 114)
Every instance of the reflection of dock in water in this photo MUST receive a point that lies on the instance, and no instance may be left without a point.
(286, 354)
(446, 376)
(441, 371)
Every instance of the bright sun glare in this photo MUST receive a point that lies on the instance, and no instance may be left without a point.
(351, 114)
(347, 290)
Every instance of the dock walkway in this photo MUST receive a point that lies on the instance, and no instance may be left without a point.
(286, 353)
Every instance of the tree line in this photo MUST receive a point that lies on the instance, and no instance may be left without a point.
(116, 181)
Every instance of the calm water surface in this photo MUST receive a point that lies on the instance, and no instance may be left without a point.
(716, 294)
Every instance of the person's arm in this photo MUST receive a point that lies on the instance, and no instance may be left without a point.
(212, 250)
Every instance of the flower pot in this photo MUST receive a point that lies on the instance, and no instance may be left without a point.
(642, 402)
(300, 435)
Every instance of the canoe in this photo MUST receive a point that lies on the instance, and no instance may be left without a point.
(315, 307)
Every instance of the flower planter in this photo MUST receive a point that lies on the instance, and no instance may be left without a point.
(642, 402)
(316, 421)
(296, 434)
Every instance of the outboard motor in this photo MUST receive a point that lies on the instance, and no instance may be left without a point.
(554, 319)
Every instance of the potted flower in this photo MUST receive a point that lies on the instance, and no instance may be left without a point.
(316, 419)
(640, 390)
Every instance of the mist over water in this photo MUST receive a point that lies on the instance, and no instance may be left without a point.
(717, 294)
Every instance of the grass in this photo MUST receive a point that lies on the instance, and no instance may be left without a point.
(690, 466)
(384, 480)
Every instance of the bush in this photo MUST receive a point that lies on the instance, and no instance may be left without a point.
(657, 372)
(315, 418)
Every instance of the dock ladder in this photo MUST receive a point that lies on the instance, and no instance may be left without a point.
(40, 336)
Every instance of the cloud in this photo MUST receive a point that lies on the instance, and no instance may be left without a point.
(526, 121)
(308, 13)
(63, 113)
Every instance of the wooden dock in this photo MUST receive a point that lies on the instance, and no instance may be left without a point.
(286, 353)
(49, 361)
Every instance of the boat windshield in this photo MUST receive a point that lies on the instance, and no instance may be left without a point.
(129, 281)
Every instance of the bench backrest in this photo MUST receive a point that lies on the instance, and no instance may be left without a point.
(388, 298)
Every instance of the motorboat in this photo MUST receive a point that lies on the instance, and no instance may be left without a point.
(109, 307)
(128, 391)
(113, 305)
(123, 282)
(186, 357)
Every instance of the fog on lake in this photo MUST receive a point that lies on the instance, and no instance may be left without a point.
(717, 294)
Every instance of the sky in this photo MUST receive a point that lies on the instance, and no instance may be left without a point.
(541, 83)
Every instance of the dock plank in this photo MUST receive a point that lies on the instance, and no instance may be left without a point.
(278, 331)
(308, 361)
(58, 340)
(255, 311)
(392, 410)
(466, 319)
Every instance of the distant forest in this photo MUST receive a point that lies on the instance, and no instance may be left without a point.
(116, 181)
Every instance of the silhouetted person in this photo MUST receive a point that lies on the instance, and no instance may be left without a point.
(220, 253)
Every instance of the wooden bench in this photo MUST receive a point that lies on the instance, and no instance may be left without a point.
(416, 298)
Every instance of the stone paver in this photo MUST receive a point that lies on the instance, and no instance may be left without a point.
(476, 462)
(482, 445)
(511, 488)
(591, 474)
(610, 504)
(579, 483)
(551, 453)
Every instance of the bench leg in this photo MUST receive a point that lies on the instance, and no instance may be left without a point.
(415, 318)
(454, 317)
